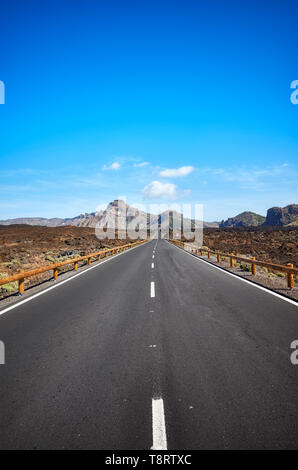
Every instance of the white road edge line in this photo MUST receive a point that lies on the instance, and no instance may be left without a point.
(65, 280)
(152, 289)
(158, 425)
(238, 277)
(152, 265)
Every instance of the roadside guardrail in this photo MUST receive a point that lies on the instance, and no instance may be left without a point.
(288, 269)
(22, 275)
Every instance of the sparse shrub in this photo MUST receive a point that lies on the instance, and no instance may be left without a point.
(16, 261)
(265, 269)
(50, 258)
(8, 288)
(281, 274)
(244, 267)
(271, 275)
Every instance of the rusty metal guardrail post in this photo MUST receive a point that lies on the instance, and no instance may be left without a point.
(22, 283)
(55, 272)
(232, 261)
(290, 277)
(253, 266)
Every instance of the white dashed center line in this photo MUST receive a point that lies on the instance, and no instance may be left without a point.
(152, 256)
(152, 266)
(158, 425)
(152, 289)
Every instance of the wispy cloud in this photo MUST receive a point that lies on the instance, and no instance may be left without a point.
(113, 166)
(21, 172)
(141, 164)
(159, 190)
(256, 178)
(176, 172)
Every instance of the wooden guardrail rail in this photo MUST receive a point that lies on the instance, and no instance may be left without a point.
(288, 269)
(22, 275)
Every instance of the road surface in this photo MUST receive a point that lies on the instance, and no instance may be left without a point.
(153, 348)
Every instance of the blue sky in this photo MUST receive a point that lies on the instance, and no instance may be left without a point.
(102, 97)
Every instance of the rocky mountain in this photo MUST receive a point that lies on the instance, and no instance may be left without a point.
(245, 219)
(117, 210)
(282, 216)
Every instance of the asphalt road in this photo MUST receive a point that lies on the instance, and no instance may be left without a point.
(130, 356)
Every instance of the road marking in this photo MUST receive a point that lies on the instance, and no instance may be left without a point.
(238, 277)
(152, 266)
(152, 289)
(152, 256)
(65, 280)
(158, 425)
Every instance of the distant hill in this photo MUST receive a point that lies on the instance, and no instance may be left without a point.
(245, 219)
(55, 222)
(282, 216)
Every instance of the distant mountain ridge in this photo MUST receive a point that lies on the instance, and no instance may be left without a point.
(276, 216)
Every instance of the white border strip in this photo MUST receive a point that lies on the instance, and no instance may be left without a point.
(17, 304)
(293, 302)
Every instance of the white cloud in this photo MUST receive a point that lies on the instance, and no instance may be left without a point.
(187, 192)
(159, 190)
(114, 166)
(140, 165)
(178, 172)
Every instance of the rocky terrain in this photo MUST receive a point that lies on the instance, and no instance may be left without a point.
(276, 245)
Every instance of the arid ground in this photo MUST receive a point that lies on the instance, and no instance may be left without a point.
(275, 245)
